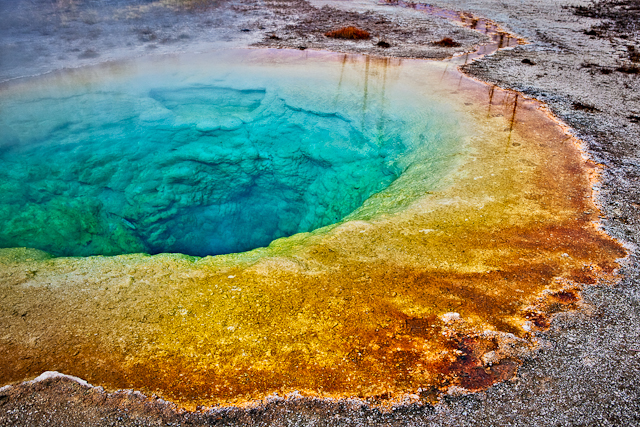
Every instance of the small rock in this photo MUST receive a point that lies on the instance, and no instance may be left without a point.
(489, 358)
(450, 317)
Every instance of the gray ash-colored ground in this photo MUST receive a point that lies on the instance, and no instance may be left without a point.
(619, 18)
(402, 35)
(580, 61)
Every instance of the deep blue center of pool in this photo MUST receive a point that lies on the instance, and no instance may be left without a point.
(201, 170)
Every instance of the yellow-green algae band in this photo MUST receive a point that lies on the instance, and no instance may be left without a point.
(428, 285)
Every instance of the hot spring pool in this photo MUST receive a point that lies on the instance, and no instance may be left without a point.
(207, 154)
(439, 222)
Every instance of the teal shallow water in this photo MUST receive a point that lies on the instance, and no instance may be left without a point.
(207, 154)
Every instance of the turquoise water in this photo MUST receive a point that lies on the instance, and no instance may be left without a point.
(164, 159)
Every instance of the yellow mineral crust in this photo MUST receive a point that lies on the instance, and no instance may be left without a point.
(386, 304)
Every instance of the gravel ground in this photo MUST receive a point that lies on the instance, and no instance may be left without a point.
(580, 61)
